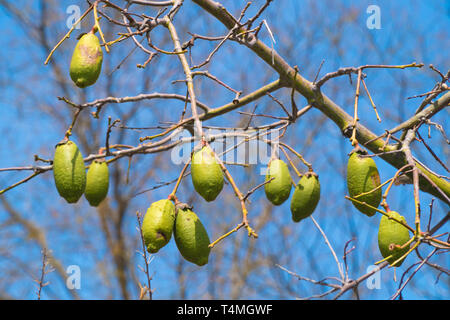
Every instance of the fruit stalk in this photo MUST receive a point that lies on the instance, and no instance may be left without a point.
(180, 177)
(355, 115)
(75, 117)
(380, 211)
(306, 163)
(97, 26)
(292, 165)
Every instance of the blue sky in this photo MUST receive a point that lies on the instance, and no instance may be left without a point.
(411, 31)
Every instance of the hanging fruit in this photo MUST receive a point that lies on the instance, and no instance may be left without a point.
(392, 235)
(158, 224)
(68, 171)
(206, 174)
(97, 182)
(191, 237)
(363, 177)
(306, 196)
(86, 63)
(279, 189)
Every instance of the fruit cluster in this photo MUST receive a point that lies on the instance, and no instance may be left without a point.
(167, 215)
(363, 182)
(191, 238)
(163, 217)
(69, 170)
(71, 179)
(306, 194)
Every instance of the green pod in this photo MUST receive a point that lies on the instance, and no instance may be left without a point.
(362, 177)
(157, 225)
(69, 171)
(191, 237)
(279, 189)
(86, 63)
(390, 234)
(206, 174)
(306, 196)
(97, 182)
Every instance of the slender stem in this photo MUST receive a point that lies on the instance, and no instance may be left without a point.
(355, 116)
(240, 225)
(394, 264)
(75, 117)
(188, 74)
(292, 164)
(20, 182)
(240, 196)
(144, 254)
(68, 34)
(410, 136)
(174, 191)
(97, 25)
(329, 246)
(371, 101)
(382, 212)
(298, 155)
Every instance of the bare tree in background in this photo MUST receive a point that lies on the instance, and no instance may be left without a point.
(207, 69)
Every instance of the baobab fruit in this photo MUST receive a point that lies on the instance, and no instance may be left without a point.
(306, 196)
(279, 189)
(157, 225)
(86, 63)
(97, 182)
(69, 171)
(363, 178)
(206, 174)
(391, 236)
(191, 237)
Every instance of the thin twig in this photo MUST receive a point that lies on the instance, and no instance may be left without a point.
(146, 260)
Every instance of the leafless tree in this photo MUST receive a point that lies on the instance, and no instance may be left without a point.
(165, 64)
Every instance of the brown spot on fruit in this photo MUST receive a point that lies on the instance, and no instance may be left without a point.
(375, 178)
(160, 234)
(90, 54)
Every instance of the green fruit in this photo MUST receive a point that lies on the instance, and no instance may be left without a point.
(362, 177)
(97, 182)
(306, 196)
(206, 174)
(69, 171)
(191, 237)
(392, 233)
(279, 189)
(86, 63)
(158, 225)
